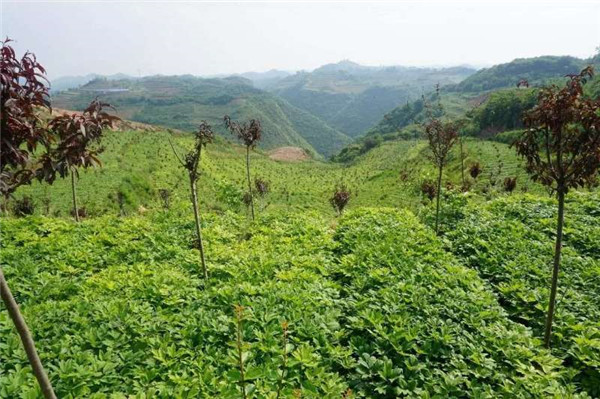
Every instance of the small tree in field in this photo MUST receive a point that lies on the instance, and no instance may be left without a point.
(248, 133)
(191, 163)
(561, 147)
(340, 198)
(441, 137)
(509, 184)
(77, 135)
(475, 170)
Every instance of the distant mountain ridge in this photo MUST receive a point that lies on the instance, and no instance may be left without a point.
(72, 82)
(352, 97)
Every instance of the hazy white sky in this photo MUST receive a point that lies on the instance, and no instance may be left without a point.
(176, 37)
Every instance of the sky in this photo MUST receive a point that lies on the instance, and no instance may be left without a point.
(206, 38)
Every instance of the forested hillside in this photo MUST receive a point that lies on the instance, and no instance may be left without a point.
(352, 97)
(536, 71)
(181, 102)
(488, 100)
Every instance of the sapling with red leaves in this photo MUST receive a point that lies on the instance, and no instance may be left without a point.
(510, 183)
(191, 163)
(78, 138)
(561, 147)
(428, 188)
(475, 170)
(441, 136)
(341, 197)
(250, 134)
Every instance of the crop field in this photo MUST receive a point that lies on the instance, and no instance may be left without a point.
(374, 304)
(139, 163)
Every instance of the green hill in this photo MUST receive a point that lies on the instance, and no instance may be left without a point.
(352, 97)
(181, 102)
(489, 99)
(537, 70)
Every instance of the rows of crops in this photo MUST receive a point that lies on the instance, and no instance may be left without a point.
(136, 165)
(510, 243)
(371, 307)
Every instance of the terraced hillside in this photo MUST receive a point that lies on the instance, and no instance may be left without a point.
(181, 102)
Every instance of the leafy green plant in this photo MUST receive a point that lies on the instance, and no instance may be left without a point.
(509, 242)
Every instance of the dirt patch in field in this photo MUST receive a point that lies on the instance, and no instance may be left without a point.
(288, 154)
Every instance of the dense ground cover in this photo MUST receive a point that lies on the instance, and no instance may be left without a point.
(118, 307)
(510, 243)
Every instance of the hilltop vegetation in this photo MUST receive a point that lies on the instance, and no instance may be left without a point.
(537, 71)
(182, 102)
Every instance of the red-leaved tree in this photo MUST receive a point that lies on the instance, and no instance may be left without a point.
(31, 149)
(248, 133)
(561, 147)
(78, 137)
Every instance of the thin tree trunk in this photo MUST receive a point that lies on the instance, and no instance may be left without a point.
(462, 162)
(28, 344)
(198, 227)
(555, 270)
(249, 182)
(437, 206)
(75, 209)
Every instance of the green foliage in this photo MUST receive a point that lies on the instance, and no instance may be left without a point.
(117, 308)
(378, 306)
(510, 243)
(503, 110)
(141, 162)
(422, 325)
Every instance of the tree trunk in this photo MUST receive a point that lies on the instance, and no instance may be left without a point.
(75, 209)
(198, 227)
(462, 162)
(249, 182)
(28, 344)
(555, 270)
(437, 206)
